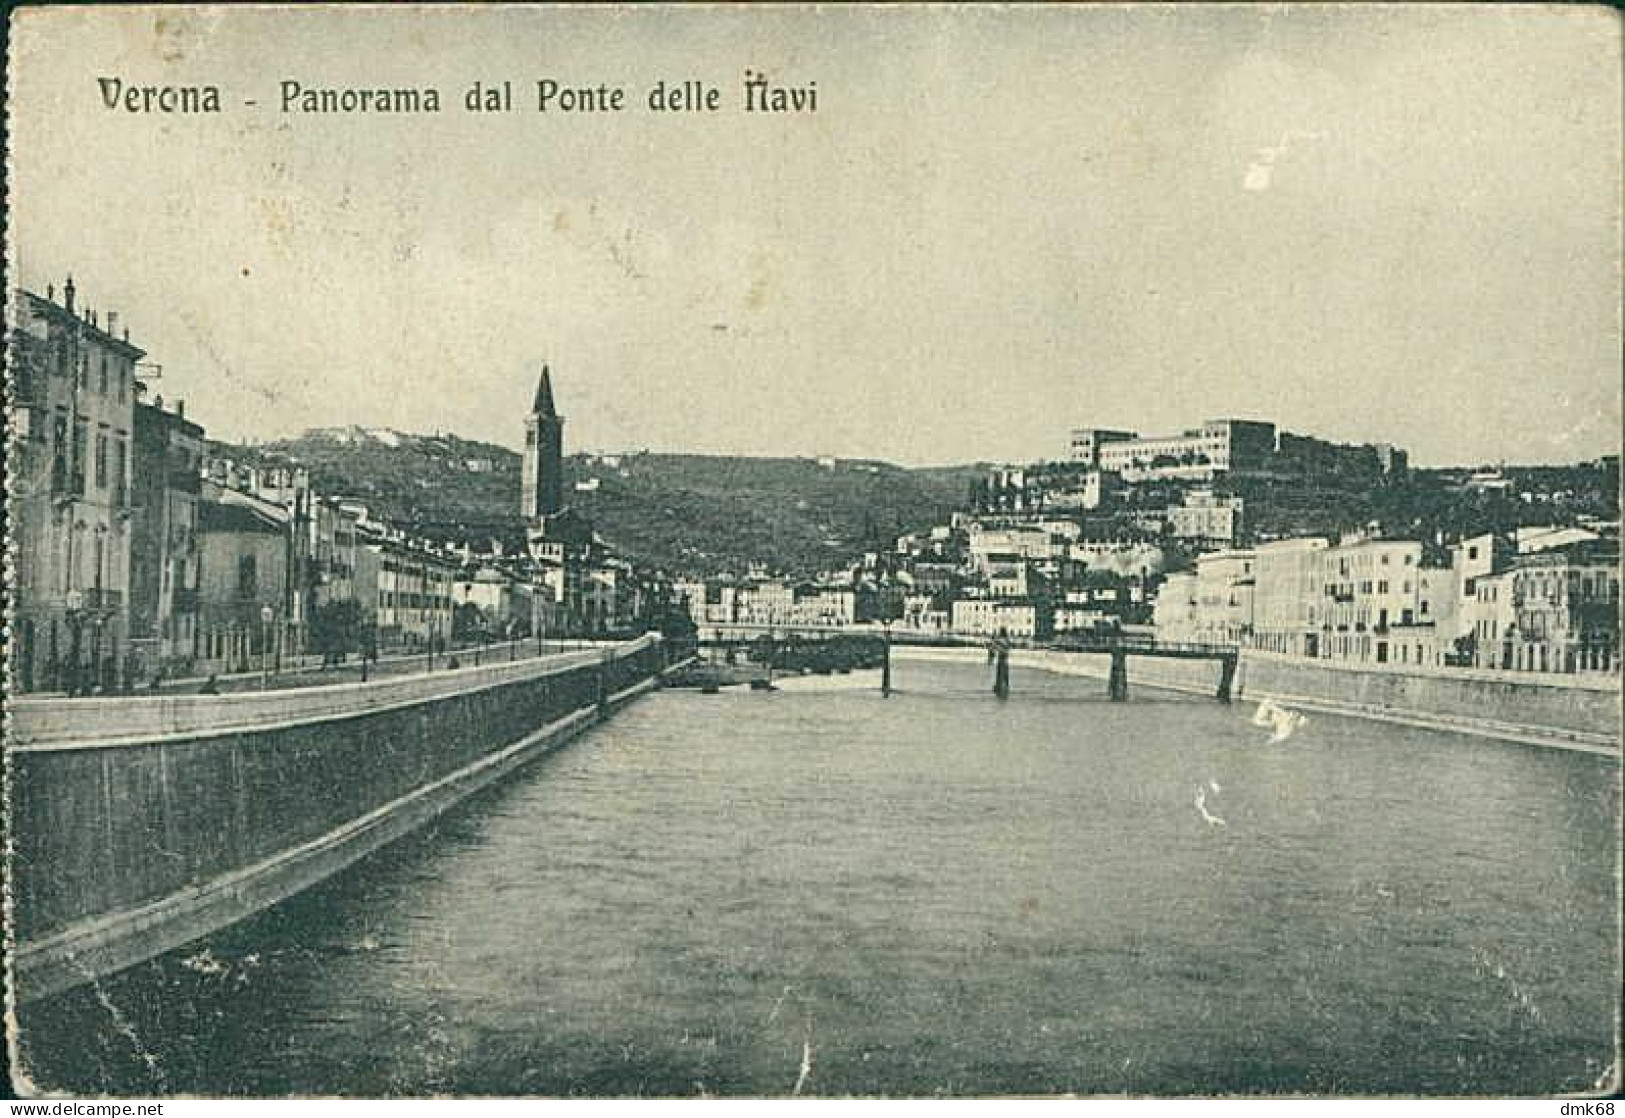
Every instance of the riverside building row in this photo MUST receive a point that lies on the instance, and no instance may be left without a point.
(1532, 601)
(136, 556)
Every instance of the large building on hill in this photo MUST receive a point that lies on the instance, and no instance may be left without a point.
(1218, 446)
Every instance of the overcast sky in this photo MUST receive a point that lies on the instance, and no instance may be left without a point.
(1365, 223)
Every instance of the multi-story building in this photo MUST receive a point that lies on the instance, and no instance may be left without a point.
(1224, 597)
(333, 564)
(1001, 617)
(1127, 555)
(1479, 620)
(72, 402)
(165, 558)
(242, 581)
(1074, 618)
(1491, 613)
(765, 602)
(921, 611)
(1026, 542)
(414, 591)
(1087, 442)
(1218, 446)
(1175, 613)
(1368, 586)
(1086, 491)
(1565, 610)
(1206, 519)
(1008, 576)
(1286, 595)
(825, 605)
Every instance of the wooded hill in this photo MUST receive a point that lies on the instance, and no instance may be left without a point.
(695, 514)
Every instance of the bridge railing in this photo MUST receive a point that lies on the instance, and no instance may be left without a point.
(1076, 641)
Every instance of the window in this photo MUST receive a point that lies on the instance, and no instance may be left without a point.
(102, 383)
(81, 436)
(101, 459)
(247, 576)
(121, 494)
(59, 453)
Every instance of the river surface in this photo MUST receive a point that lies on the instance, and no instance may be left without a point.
(820, 890)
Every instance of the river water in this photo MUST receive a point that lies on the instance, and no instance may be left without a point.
(937, 893)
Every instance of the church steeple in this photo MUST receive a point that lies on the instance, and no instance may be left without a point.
(543, 404)
(542, 482)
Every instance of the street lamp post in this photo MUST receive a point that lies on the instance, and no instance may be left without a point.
(885, 661)
(267, 615)
(76, 621)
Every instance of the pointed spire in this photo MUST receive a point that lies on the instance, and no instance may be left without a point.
(543, 404)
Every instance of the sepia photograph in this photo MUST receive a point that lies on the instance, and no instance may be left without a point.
(887, 552)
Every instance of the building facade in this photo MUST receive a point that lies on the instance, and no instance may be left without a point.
(165, 556)
(71, 425)
(242, 584)
(1218, 446)
(1286, 592)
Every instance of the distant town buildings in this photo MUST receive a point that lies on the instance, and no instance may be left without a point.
(138, 556)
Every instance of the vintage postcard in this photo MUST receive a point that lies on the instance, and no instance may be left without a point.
(704, 551)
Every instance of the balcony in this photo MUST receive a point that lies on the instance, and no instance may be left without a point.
(96, 600)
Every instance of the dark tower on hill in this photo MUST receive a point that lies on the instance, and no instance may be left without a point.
(542, 488)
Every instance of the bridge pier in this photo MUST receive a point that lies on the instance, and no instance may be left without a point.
(1227, 677)
(1117, 684)
(1001, 672)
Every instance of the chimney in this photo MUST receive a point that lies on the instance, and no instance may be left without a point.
(67, 295)
(50, 293)
(112, 321)
(180, 408)
(158, 401)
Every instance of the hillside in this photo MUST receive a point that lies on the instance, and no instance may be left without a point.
(682, 512)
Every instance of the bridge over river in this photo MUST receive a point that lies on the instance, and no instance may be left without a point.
(1116, 644)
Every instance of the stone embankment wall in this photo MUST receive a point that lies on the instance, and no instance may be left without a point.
(1580, 712)
(141, 823)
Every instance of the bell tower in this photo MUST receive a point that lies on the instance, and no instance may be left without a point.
(542, 486)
